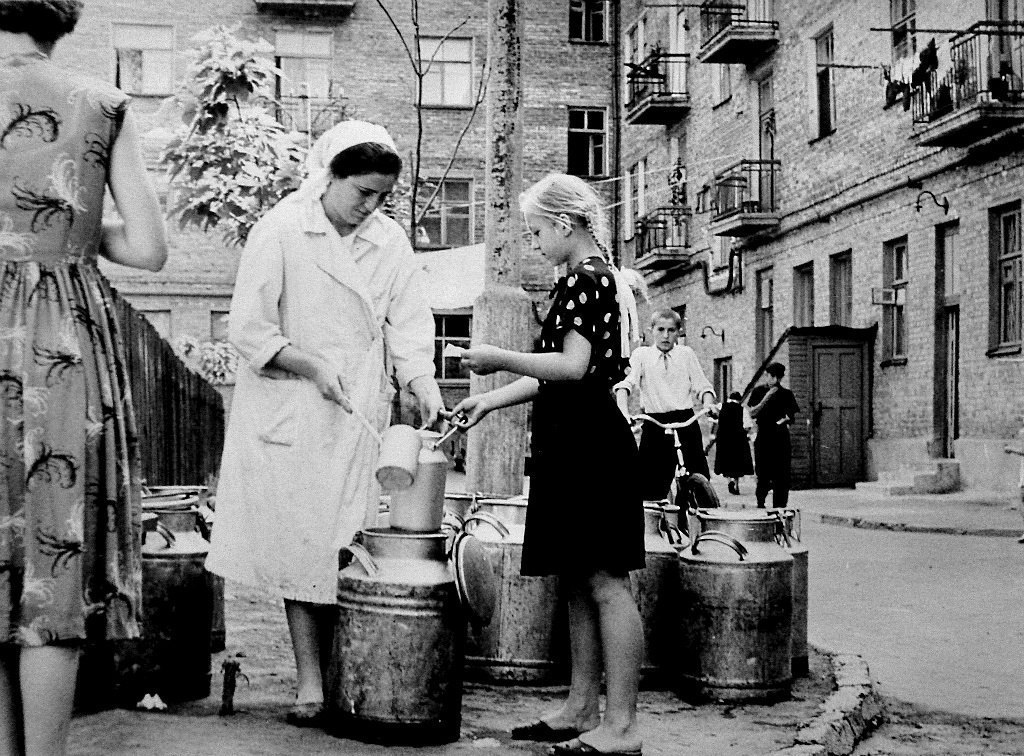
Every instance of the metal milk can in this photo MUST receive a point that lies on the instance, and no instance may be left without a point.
(656, 590)
(780, 526)
(527, 638)
(396, 667)
(420, 508)
(737, 618)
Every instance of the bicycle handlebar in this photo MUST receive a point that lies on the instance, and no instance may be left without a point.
(672, 426)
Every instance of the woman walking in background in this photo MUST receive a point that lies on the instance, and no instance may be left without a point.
(732, 445)
(70, 499)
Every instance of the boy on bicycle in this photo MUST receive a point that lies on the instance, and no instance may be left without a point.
(670, 381)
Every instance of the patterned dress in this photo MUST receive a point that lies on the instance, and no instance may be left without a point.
(585, 513)
(70, 523)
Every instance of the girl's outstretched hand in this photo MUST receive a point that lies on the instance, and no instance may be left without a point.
(483, 359)
(469, 411)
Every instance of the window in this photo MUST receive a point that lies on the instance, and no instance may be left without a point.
(448, 221)
(946, 258)
(1006, 288)
(903, 21)
(456, 330)
(723, 378)
(680, 310)
(160, 320)
(144, 59)
(840, 284)
(588, 20)
(721, 83)
(825, 85)
(304, 58)
(586, 142)
(218, 325)
(720, 248)
(894, 318)
(449, 71)
(803, 295)
(764, 333)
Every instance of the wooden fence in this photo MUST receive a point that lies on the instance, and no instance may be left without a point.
(180, 415)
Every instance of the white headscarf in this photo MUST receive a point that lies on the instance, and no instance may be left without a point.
(338, 139)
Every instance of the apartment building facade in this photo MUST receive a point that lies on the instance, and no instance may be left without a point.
(838, 185)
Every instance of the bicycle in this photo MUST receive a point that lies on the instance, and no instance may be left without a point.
(690, 489)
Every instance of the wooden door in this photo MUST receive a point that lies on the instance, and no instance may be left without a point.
(837, 437)
(949, 381)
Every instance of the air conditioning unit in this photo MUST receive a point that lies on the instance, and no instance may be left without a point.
(888, 297)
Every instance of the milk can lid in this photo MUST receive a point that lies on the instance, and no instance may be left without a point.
(475, 580)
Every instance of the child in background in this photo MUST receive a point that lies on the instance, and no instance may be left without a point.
(582, 480)
(670, 381)
(732, 458)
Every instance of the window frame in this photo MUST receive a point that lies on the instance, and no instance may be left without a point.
(723, 374)
(1005, 337)
(903, 23)
(895, 321)
(825, 89)
(764, 313)
(442, 339)
(803, 295)
(589, 134)
(721, 84)
(840, 289)
(117, 28)
(439, 66)
(442, 209)
(587, 10)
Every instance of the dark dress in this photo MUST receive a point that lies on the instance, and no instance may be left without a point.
(772, 446)
(584, 514)
(70, 496)
(732, 454)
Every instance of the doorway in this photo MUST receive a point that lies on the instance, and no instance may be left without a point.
(946, 417)
(836, 415)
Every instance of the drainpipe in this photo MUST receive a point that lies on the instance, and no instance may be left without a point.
(617, 129)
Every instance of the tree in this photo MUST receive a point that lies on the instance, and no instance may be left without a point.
(234, 161)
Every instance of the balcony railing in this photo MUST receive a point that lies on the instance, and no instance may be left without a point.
(307, 7)
(980, 93)
(746, 198)
(663, 237)
(658, 89)
(737, 33)
(312, 115)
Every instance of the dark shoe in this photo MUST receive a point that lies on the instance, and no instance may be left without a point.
(734, 488)
(542, 732)
(305, 714)
(577, 746)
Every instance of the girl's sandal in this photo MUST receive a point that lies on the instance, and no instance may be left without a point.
(305, 714)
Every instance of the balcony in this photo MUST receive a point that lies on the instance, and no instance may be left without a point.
(312, 8)
(310, 115)
(980, 94)
(746, 198)
(663, 238)
(743, 33)
(659, 91)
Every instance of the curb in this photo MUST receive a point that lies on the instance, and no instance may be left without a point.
(846, 716)
(902, 527)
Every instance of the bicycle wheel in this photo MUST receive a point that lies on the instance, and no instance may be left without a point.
(699, 492)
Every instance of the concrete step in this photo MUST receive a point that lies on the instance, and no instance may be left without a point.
(933, 477)
(890, 487)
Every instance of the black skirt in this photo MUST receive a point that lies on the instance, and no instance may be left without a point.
(585, 513)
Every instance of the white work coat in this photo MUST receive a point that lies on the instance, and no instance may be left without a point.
(297, 475)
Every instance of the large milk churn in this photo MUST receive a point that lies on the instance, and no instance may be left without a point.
(527, 638)
(737, 618)
(656, 589)
(781, 526)
(396, 668)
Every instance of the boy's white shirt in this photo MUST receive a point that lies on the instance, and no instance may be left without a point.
(678, 387)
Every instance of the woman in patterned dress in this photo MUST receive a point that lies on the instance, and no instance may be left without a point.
(70, 525)
(584, 520)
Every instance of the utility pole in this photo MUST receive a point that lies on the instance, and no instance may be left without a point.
(501, 314)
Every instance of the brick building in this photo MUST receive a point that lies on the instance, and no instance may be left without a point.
(787, 171)
(345, 52)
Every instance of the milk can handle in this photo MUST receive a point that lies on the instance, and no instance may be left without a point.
(164, 531)
(719, 537)
(672, 532)
(361, 555)
(491, 520)
(780, 523)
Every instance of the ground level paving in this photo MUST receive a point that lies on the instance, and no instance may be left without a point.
(256, 627)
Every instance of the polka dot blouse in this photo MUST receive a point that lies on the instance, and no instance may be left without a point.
(585, 301)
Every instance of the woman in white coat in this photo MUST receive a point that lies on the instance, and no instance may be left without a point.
(328, 302)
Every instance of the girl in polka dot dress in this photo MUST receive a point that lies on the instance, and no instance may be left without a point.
(584, 521)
